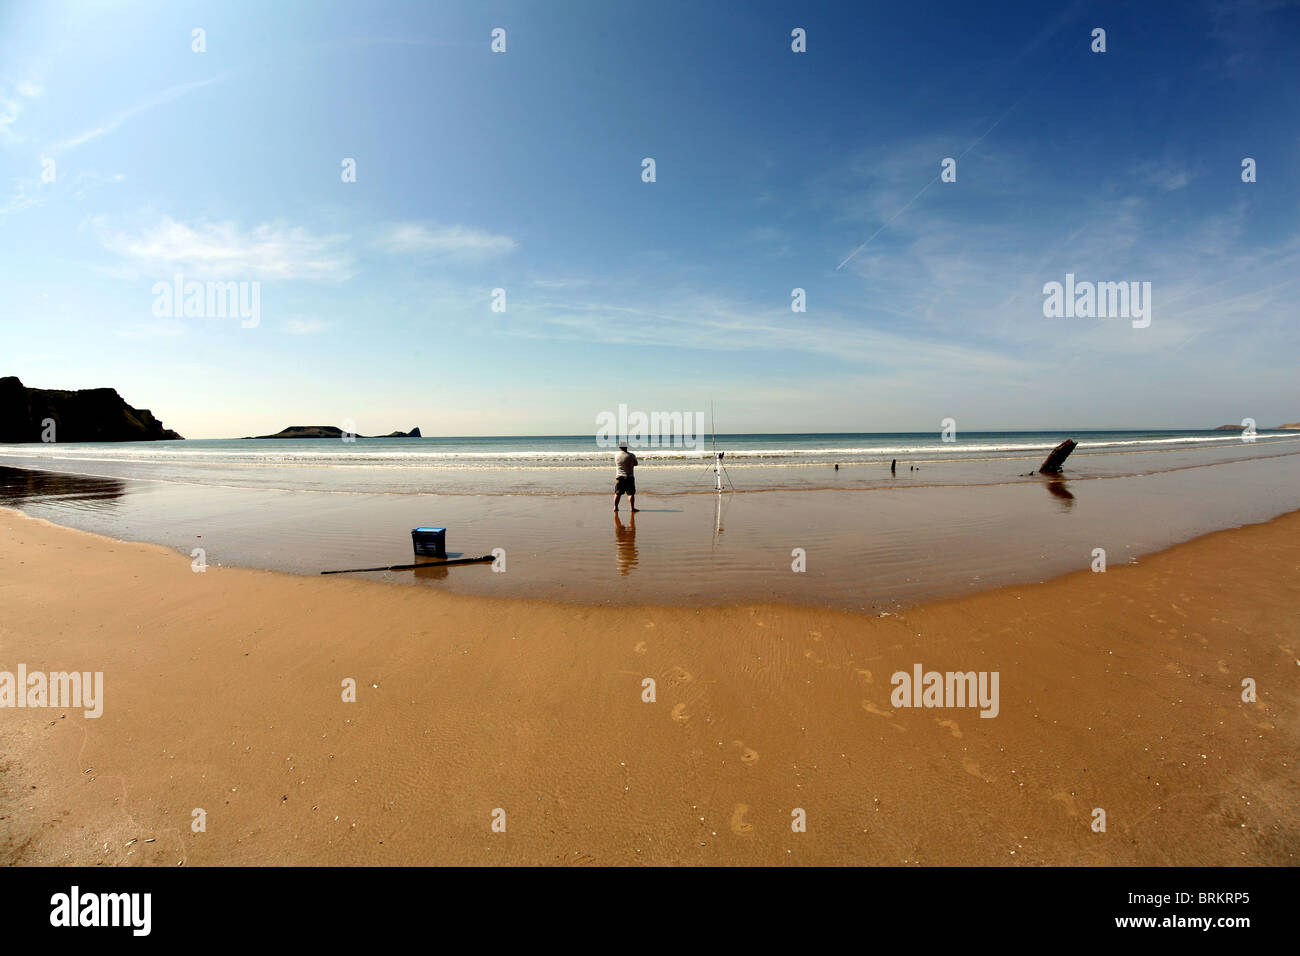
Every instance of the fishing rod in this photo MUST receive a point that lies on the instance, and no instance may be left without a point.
(719, 470)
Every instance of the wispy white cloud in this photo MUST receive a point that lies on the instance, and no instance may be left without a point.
(113, 122)
(948, 300)
(306, 326)
(25, 195)
(9, 113)
(11, 106)
(561, 283)
(1168, 176)
(273, 250)
(159, 328)
(1246, 28)
(686, 319)
(769, 241)
(446, 242)
(87, 180)
(414, 41)
(33, 192)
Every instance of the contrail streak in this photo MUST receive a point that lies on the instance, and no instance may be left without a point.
(886, 223)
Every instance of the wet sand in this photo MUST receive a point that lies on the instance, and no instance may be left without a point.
(1120, 691)
(866, 549)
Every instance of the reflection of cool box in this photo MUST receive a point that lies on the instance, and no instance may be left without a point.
(430, 542)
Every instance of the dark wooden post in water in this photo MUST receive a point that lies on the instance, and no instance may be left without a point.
(1052, 463)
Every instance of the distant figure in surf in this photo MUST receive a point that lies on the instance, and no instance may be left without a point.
(625, 477)
(892, 465)
(837, 467)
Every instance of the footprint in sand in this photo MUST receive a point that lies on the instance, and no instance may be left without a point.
(815, 635)
(866, 674)
(738, 824)
(1223, 667)
(871, 708)
(640, 647)
(679, 713)
(972, 768)
(1070, 807)
(680, 676)
(951, 725)
(748, 755)
(649, 625)
(809, 655)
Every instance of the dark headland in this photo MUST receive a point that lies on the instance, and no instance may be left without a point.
(88, 414)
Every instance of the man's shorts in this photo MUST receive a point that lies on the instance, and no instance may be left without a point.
(624, 485)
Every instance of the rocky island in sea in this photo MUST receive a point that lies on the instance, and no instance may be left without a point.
(329, 431)
(1292, 426)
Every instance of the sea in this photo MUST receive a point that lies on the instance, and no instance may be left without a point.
(568, 464)
(904, 518)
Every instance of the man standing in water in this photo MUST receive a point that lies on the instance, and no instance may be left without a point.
(624, 480)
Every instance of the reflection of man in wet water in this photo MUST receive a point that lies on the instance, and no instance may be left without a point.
(624, 477)
(625, 542)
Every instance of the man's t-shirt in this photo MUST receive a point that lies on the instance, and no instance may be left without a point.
(624, 464)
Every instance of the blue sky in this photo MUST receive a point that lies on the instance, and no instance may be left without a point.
(522, 170)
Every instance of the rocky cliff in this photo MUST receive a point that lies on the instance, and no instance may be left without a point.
(89, 414)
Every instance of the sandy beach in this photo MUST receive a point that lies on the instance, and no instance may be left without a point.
(223, 692)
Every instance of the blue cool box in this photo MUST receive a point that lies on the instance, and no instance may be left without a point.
(430, 542)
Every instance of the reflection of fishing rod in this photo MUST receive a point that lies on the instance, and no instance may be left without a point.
(415, 567)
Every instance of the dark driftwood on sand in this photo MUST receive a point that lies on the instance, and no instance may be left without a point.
(1052, 464)
(414, 567)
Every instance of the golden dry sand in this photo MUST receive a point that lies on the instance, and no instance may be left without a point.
(1119, 691)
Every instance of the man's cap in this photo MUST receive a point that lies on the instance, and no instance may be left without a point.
(623, 445)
